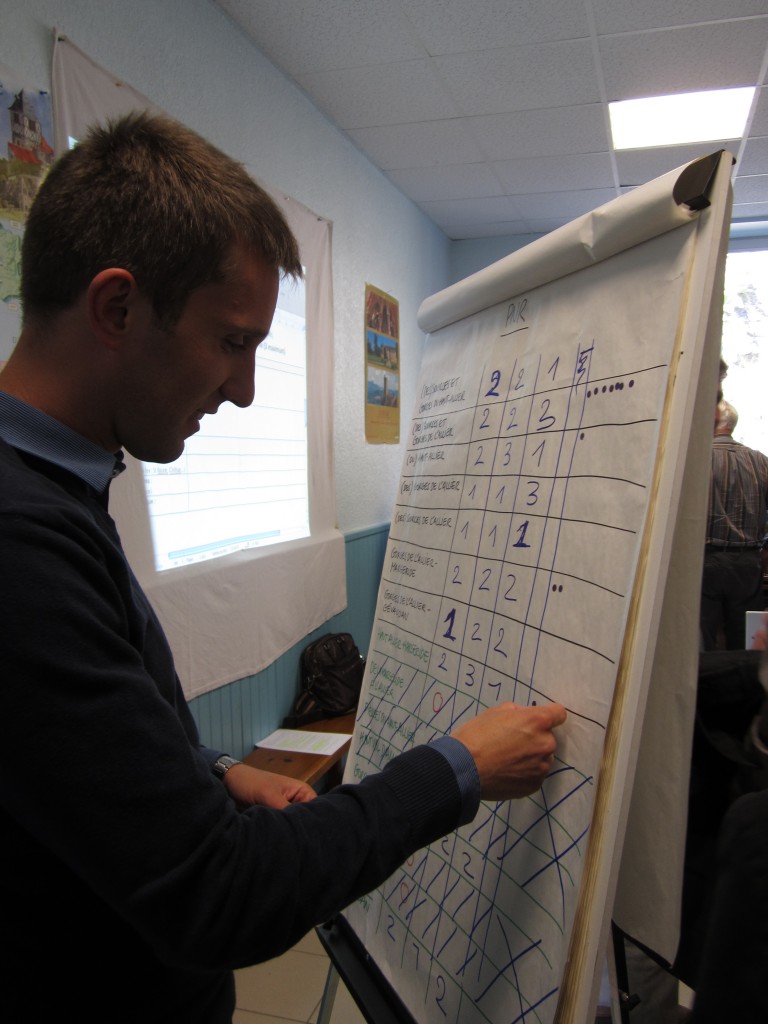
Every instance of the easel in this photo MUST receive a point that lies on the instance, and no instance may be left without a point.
(659, 570)
(622, 1000)
(378, 1002)
(373, 995)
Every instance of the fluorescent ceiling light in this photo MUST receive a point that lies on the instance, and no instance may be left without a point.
(683, 118)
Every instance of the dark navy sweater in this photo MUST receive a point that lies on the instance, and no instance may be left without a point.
(128, 879)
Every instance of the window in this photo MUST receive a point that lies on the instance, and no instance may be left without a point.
(745, 344)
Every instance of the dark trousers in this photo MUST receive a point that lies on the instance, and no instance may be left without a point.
(731, 587)
(732, 981)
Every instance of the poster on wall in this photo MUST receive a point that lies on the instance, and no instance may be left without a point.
(382, 367)
(26, 153)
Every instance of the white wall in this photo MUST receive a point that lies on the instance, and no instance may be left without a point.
(188, 58)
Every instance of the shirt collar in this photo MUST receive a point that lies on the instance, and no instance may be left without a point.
(24, 427)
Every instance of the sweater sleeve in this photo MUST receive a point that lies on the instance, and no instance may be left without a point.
(118, 803)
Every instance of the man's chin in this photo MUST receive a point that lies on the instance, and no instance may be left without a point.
(160, 456)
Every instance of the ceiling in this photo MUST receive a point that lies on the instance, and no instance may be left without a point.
(491, 115)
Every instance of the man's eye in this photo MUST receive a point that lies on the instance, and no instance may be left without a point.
(236, 342)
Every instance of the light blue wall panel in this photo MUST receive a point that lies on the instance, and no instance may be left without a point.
(233, 718)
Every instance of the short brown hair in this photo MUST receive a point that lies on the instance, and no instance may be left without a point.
(149, 195)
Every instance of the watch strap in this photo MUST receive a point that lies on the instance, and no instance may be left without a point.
(222, 764)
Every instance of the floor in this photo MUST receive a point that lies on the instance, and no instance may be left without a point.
(289, 989)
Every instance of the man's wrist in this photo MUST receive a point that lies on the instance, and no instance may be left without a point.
(465, 770)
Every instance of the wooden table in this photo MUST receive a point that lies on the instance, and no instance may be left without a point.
(309, 768)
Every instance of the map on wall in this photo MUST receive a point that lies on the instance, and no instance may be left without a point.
(26, 153)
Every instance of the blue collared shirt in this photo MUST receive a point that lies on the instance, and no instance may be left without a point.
(37, 433)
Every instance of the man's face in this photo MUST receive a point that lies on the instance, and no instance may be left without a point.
(175, 377)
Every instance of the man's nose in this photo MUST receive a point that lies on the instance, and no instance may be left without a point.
(240, 388)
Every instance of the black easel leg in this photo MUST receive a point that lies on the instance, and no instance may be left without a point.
(627, 1001)
(329, 996)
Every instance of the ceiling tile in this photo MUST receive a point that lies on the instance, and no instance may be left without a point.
(750, 211)
(379, 94)
(752, 189)
(483, 230)
(452, 181)
(304, 35)
(755, 157)
(759, 124)
(520, 78)
(631, 16)
(487, 24)
(421, 144)
(682, 60)
(480, 210)
(548, 132)
(555, 173)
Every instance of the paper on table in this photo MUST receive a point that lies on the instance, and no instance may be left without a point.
(754, 621)
(305, 742)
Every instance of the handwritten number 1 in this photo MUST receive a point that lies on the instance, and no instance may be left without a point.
(450, 618)
(522, 530)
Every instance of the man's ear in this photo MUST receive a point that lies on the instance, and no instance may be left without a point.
(114, 303)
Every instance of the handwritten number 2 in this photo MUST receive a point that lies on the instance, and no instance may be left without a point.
(492, 391)
(440, 983)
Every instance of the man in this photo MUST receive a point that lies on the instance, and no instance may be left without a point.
(734, 944)
(139, 868)
(738, 499)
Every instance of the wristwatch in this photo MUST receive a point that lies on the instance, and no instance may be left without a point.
(222, 765)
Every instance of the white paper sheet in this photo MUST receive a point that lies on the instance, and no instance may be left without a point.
(305, 742)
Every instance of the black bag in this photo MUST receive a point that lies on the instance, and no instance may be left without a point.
(331, 670)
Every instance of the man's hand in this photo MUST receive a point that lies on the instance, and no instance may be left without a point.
(513, 747)
(248, 786)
